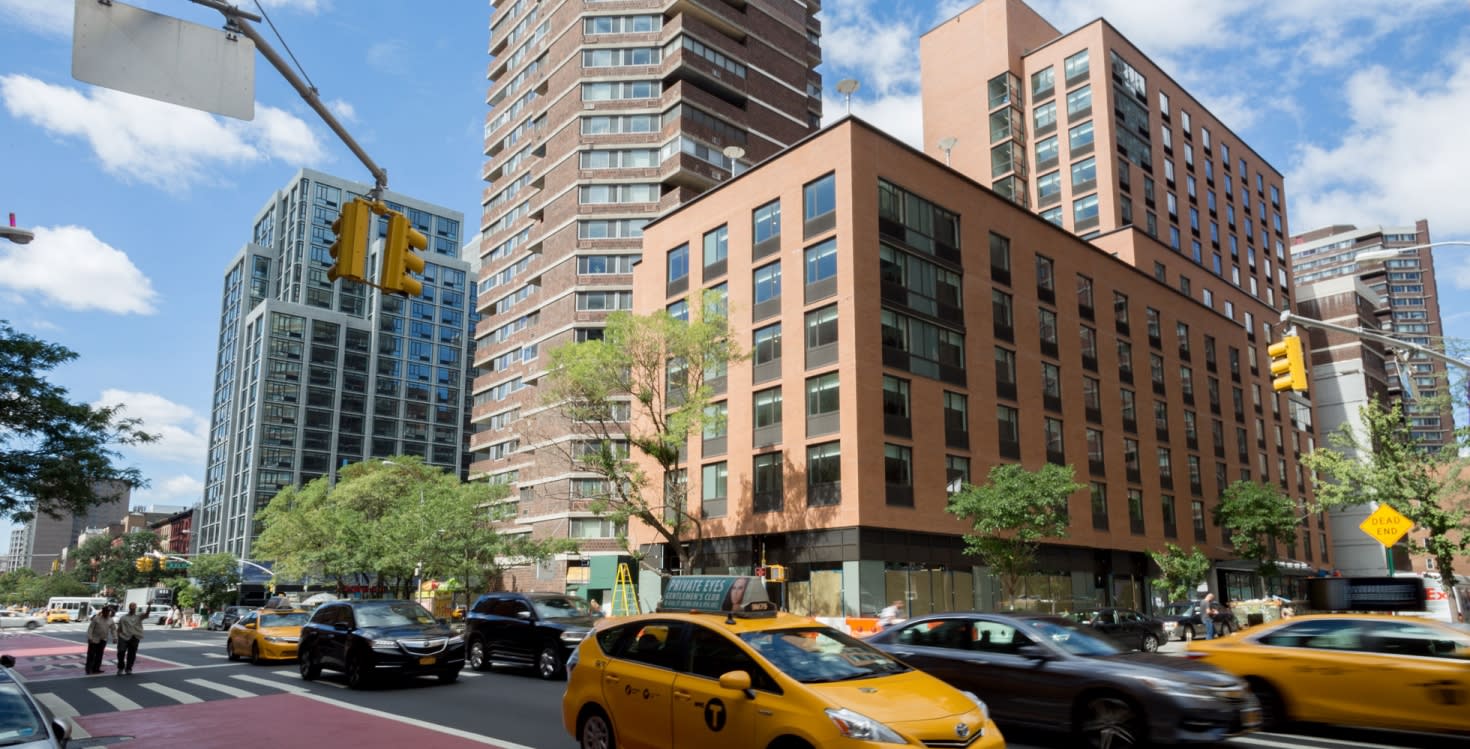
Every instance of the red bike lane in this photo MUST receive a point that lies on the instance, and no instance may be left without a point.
(42, 657)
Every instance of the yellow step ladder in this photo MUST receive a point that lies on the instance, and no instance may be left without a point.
(625, 594)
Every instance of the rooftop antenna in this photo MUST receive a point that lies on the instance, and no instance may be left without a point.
(946, 145)
(846, 87)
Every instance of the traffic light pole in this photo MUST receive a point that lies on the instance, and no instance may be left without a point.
(239, 20)
(1289, 318)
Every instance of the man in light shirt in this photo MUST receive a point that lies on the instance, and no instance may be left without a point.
(129, 633)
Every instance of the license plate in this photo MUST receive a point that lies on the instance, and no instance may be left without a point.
(1250, 718)
(429, 661)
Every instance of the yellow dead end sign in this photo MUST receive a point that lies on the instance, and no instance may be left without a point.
(1386, 525)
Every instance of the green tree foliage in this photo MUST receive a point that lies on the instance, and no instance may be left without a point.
(112, 563)
(26, 588)
(1011, 513)
(646, 386)
(388, 519)
(1181, 572)
(54, 454)
(1384, 463)
(1258, 517)
(217, 577)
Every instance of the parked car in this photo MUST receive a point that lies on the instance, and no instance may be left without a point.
(21, 619)
(1373, 670)
(1127, 627)
(1052, 673)
(24, 723)
(159, 612)
(233, 614)
(526, 629)
(1183, 621)
(368, 639)
(216, 621)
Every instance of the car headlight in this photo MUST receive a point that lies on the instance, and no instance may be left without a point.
(384, 644)
(1168, 686)
(572, 637)
(1170, 625)
(984, 710)
(277, 640)
(858, 726)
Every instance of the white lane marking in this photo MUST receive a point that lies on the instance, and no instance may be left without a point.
(272, 684)
(297, 676)
(117, 701)
(63, 709)
(222, 688)
(475, 737)
(171, 693)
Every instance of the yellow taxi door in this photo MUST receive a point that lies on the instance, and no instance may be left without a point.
(1420, 677)
(637, 686)
(710, 717)
(1320, 669)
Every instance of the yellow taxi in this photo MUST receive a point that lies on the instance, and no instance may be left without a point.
(718, 668)
(266, 634)
(1372, 670)
(55, 616)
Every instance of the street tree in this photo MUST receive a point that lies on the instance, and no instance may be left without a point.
(1011, 513)
(55, 455)
(647, 385)
(25, 587)
(1258, 517)
(1180, 571)
(1383, 462)
(217, 577)
(112, 563)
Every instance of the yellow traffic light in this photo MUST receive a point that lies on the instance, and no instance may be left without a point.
(399, 260)
(1287, 364)
(144, 564)
(350, 247)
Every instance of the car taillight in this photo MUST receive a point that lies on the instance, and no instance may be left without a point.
(1193, 655)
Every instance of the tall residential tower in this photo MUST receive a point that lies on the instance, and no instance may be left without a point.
(311, 375)
(604, 115)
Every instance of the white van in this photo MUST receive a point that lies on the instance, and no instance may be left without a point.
(78, 608)
(158, 613)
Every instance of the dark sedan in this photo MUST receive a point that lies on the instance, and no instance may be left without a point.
(1051, 673)
(232, 615)
(1126, 627)
(526, 629)
(369, 639)
(1182, 621)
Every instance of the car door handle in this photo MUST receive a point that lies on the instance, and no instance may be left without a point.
(680, 694)
(902, 653)
(611, 679)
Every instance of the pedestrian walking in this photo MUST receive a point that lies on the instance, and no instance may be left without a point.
(594, 609)
(129, 634)
(1208, 611)
(99, 631)
(890, 615)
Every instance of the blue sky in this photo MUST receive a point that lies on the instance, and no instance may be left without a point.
(139, 205)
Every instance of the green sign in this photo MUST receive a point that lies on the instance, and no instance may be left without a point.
(716, 593)
(176, 565)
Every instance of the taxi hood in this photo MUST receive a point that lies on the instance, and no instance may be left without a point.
(898, 698)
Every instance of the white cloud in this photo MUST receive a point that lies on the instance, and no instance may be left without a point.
(70, 266)
(181, 489)
(159, 144)
(1388, 167)
(897, 114)
(183, 433)
(46, 17)
(343, 109)
(302, 6)
(387, 56)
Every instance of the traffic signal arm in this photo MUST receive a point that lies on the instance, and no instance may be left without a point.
(1288, 366)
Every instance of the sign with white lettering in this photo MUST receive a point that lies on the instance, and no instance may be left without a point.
(716, 593)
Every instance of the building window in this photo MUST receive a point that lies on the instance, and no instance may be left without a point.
(1001, 315)
(1044, 118)
(767, 348)
(821, 327)
(767, 408)
(820, 204)
(714, 489)
(824, 474)
(1135, 511)
(1008, 430)
(1043, 83)
(766, 222)
(768, 485)
(767, 280)
(679, 263)
(898, 474)
(716, 250)
(821, 261)
(1079, 102)
(956, 473)
(1099, 506)
(1096, 459)
(896, 406)
(1075, 67)
(956, 419)
(1079, 137)
(822, 395)
(1055, 450)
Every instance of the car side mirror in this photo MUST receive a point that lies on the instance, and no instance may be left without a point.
(7, 660)
(62, 728)
(737, 681)
(1034, 653)
(523, 615)
(250, 625)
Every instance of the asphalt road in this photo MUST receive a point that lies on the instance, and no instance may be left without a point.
(507, 709)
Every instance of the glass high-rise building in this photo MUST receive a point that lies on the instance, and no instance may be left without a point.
(311, 375)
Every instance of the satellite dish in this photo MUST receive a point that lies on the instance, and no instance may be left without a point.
(846, 87)
(734, 154)
(946, 145)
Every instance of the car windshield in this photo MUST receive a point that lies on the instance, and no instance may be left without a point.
(560, 608)
(1072, 638)
(19, 721)
(392, 615)
(819, 654)
(292, 619)
(1178, 609)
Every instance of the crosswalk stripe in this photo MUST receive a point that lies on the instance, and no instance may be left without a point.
(221, 688)
(297, 676)
(63, 709)
(171, 693)
(271, 684)
(117, 701)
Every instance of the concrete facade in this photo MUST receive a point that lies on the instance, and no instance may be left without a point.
(42, 541)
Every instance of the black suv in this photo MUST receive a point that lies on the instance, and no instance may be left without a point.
(366, 639)
(233, 614)
(526, 629)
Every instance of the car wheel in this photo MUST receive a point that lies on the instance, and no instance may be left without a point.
(310, 669)
(32, 624)
(1187, 634)
(449, 677)
(1273, 707)
(479, 658)
(549, 664)
(595, 732)
(1150, 644)
(357, 672)
(1109, 721)
(255, 654)
(230, 651)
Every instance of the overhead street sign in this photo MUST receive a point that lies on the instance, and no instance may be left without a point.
(1386, 525)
